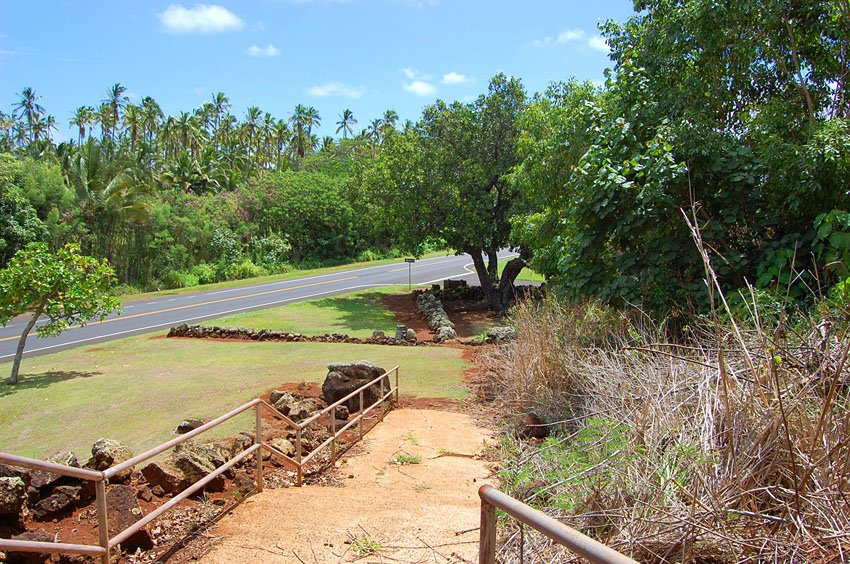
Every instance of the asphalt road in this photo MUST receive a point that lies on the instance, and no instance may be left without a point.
(160, 313)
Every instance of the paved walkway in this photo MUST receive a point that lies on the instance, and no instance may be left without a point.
(425, 511)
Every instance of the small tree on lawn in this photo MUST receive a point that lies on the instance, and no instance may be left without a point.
(65, 287)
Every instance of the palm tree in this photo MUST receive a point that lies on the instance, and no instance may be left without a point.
(345, 122)
(133, 118)
(82, 118)
(375, 131)
(116, 101)
(313, 119)
(220, 105)
(390, 118)
(300, 137)
(152, 116)
(29, 109)
(328, 143)
(252, 120)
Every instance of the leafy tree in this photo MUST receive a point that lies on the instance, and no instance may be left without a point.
(66, 287)
(447, 178)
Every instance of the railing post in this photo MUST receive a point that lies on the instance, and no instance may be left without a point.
(333, 435)
(258, 439)
(360, 416)
(298, 455)
(396, 385)
(487, 534)
(102, 519)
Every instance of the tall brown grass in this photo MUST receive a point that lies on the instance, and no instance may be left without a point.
(736, 443)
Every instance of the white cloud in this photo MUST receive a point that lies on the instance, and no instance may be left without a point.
(413, 74)
(337, 89)
(202, 18)
(454, 78)
(568, 35)
(420, 88)
(267, 51)
(598, 42)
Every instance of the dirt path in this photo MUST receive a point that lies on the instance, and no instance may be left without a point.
(405, 513)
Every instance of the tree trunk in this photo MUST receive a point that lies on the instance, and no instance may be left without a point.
(483, 276)
(509, 274)
(19, 352)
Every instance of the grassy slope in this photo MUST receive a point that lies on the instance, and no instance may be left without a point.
(525, 275)
(137, 389)
(274, 277)
(356, 314)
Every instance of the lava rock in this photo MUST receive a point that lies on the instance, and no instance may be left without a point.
(106, 453)
(188, 425)
(166, 476)
(63, 500)
(124, 510)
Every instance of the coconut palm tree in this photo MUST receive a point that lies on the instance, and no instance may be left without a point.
(116, 100)
(28, 109)
(346, 120)
(133, 119)
(313, 119)
(220, 105)
(82, 119)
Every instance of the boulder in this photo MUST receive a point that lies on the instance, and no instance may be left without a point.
(378, 334)
(284, 445)
(43, 481)
(123, 510)
(24, 474)
(277, 395)
(244, 483)
(342, 379)
(410, 335)
(13, 495)
(401, 332)
(302, 409)
(62, 500)
(196, 461)
(501, 334)
(241, 442)
(39, 535)
(283, 401)
(165, 475)
(106, 453)
(341, 413)
(188, 425)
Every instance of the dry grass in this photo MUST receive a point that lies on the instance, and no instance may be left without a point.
(731, 447)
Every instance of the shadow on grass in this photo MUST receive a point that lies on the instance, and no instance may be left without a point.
(363, 312)
(43, 380)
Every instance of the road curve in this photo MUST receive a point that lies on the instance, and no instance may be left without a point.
(145, 315)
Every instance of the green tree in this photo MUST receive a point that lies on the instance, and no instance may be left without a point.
(346, 120)
(447, 178)
(66, 287)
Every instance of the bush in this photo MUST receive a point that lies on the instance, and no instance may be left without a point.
(730, 447)
(206, 273)
(244, 269)
(179, 279)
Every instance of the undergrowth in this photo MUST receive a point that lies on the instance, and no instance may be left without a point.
(728, 445)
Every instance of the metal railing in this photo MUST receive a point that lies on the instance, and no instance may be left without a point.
(584, 546)
(100, 478)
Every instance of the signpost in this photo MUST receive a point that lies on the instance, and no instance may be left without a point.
(409, 262)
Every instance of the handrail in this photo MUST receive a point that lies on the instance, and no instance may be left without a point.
(100, 478)
(581, 544)
(61, 469)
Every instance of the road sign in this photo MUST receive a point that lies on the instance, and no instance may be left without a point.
(409, 260)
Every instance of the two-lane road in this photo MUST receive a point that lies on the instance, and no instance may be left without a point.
(159, 313)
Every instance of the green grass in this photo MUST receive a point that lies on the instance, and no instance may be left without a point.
(404, 459)
(356, 314)
(525, 275)
(273, 277)
(136, 390)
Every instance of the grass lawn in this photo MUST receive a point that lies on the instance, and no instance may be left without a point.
(137, 389)
(525, 275)
(275, 277)
(356, 314)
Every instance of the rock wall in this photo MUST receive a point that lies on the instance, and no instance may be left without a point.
(241, 333)
(438, 320)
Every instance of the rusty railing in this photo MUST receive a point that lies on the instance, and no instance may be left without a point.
(491, 499)
(100, 478)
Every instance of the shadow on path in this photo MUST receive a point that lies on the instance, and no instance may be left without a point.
(43, 380)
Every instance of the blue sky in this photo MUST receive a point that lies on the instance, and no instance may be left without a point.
(366, 55)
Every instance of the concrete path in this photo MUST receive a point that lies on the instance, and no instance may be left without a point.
(384, 511)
